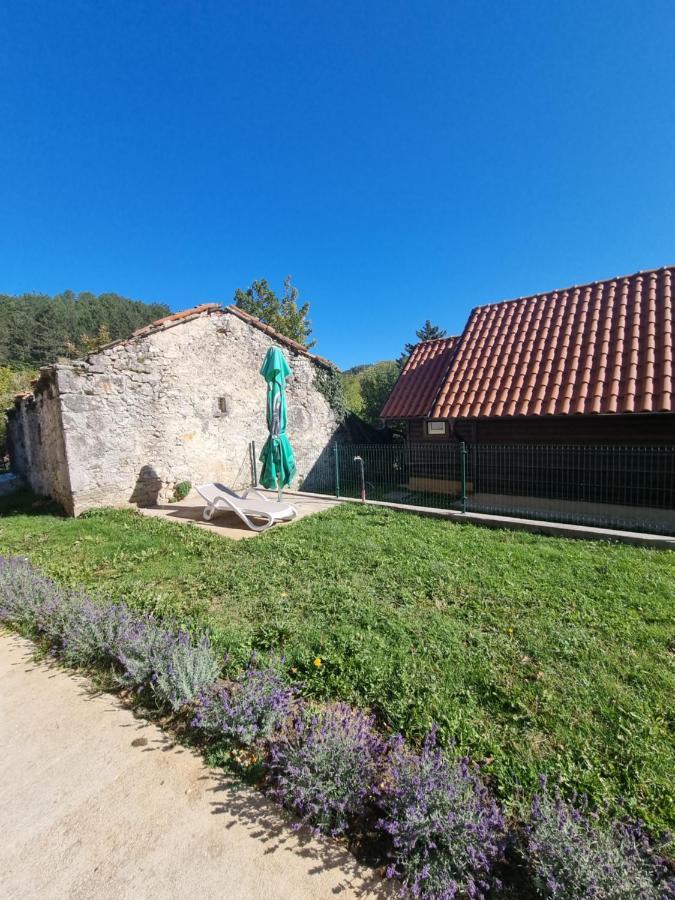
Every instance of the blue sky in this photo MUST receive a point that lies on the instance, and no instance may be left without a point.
(401, 161)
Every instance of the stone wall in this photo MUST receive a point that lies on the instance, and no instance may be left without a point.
(36, 441)
(182, 403)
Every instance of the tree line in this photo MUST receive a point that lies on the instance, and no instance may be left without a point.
(37, 328)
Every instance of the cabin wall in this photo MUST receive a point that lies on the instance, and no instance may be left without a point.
(639, 429)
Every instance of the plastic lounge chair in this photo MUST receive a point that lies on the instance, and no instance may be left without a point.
(249, 506)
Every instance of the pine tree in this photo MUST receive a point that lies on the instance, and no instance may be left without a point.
(428, 332)
(35, 329)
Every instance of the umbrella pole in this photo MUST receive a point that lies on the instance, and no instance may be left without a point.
(279, 478)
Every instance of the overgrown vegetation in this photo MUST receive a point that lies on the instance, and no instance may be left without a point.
(328, 382)
(535, 654)
(12, 382)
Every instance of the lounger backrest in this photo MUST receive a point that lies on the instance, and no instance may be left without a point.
(210, 491)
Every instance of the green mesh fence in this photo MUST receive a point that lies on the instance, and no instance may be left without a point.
(630, 488)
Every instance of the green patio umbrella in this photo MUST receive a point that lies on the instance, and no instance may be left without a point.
(278, 468)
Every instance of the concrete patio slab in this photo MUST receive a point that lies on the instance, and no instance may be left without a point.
(99, 804)
(228, 524)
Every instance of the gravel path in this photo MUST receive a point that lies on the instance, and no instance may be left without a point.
(96, 803)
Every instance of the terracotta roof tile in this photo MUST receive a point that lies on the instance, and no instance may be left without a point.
(599, 348)
(417, 385)
(605, 347)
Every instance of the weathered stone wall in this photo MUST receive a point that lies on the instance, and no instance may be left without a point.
(36, 441)
(181, 404)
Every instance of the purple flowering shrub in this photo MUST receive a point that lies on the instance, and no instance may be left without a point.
(89, 633)
(135, 650)
(29, 602)
(446, 829)
(183, 667)
(175, 664)
(573, 856)
(325, 766)
(248, 710)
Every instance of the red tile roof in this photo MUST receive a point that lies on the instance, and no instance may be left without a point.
(418, 383)
(605, 347)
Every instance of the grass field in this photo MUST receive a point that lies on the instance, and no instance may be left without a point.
(534, 654)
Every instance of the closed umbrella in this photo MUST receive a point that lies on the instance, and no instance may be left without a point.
(278, 468)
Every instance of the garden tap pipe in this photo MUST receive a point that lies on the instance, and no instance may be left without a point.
(359, 460)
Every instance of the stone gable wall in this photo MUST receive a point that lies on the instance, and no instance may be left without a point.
(181, 404)
(36, 441)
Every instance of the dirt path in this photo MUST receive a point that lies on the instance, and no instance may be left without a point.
(96, 803)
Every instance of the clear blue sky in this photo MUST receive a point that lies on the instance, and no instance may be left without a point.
(400, 160)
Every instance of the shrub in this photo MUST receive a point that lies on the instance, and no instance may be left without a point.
(181, 490)
(324, 767)
(176, 665)
(135, 650)
(183, 667)
(249, 710)
(572, 856)
(446, 829)
(28, 601)
(89, 632)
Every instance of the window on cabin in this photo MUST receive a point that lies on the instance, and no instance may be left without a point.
(437, 428)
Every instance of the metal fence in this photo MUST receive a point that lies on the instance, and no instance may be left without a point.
(630, 488)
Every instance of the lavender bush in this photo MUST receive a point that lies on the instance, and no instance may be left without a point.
(176, 665)
(446, 829)
(89, 633)
(249, 710)
(138, 644)
(573, 857)
(183, 667)
(29, 602)
(324, 767)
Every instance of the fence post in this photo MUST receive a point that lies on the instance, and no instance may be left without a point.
(254, 464)
(462, 468)
(336, 451)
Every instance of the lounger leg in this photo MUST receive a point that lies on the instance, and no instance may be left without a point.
(220, 505)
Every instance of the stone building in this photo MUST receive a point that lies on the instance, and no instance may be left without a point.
(180, 400)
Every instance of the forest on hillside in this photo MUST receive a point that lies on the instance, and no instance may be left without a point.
(366, 388)
(35, 328)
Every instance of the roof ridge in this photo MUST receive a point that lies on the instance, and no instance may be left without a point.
(574, 287)
(448, 337)
(277, 335)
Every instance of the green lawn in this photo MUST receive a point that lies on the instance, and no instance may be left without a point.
(536, 654)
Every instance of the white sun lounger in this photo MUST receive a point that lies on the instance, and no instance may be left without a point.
(249, 506)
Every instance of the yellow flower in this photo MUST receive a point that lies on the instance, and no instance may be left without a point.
(317, 662)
